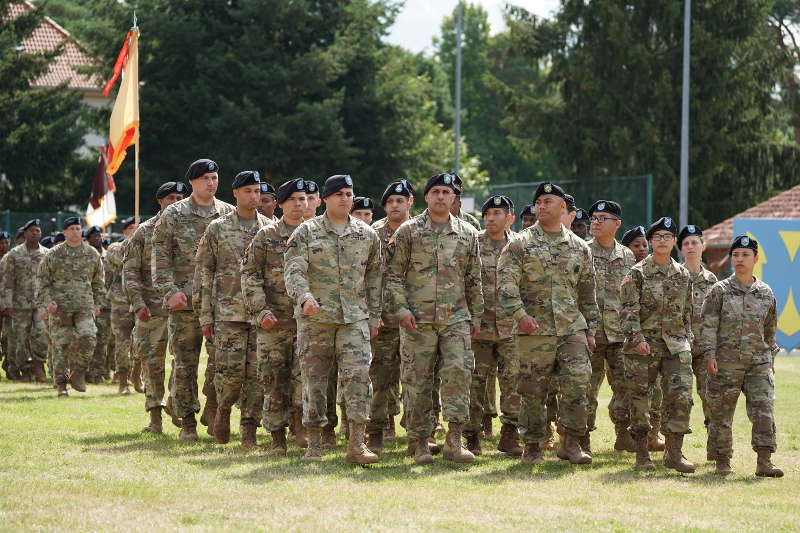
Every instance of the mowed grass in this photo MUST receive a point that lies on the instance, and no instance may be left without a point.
(82, 464)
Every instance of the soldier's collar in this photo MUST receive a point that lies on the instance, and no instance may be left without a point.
(349, 225)
(451, 222)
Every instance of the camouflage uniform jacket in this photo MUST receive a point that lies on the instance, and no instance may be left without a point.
(610, 269)
(174, 243)
(385, 233)
(551, 280)
(495, 325)
(657, 304)
(3, 261)
(115, 256)
(71, 277)
(343, 272)
(470, 219)
(701, 286)
(219, 260)
(137, 277)
(20, 276)
(435, 276)
(738, 323)
(263, 286)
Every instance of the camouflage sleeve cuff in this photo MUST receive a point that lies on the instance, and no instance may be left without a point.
(374, 321)
(170, 292)
(710, 355)
(637, 337)
(402, 313)
(137, 303)
(519, 314)
(774, 349)
(206, 320)
(261, 316)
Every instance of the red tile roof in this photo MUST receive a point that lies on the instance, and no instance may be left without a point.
(784, 205)
(48, 36)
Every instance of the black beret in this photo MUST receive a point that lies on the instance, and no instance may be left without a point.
(399, 187)
(200, 167)
(497, 201)
(59, 238)
(47, 242)
(31, 223)
(549, 188)
(528, 211)
(266, 188)
(458, 183)
(70, 221)
(446, 179)
(606, 206)
(663, 223)
(688, 231)
(170, 187)
(128, 222)
(581, 214)
(311, 187)
(286, 189)
(362, 202)
(336, 183)
(570, 200)
(632, 234)
(4, 235)
(744, 241)
(20, 231)
(245, 178)
(93, 230)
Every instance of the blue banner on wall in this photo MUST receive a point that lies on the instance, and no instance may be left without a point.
(779, 266)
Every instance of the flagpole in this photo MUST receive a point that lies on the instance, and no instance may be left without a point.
(138, 137)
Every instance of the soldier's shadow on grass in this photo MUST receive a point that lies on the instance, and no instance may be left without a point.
(40, 389)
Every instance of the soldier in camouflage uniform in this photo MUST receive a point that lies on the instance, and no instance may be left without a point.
(222, 310)
(494, 346)
(547, 285)
(150, 333)
(737, 340)
(122, 319)
(333, 274)
(98, 368)
(176, 235)
(456, 210)
(5, 242)
(657, 324)
(612, 261)
(266, 204)
(433, 286)
(70, 288)
(527, 216)
(362, 209)
(384, 371)
(28, 351)
(271, 313)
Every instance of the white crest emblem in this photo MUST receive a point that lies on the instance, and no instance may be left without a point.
(601, 206)
(447, 179)
(745, 241)
(348, 180)
(667, 222)
(300, 185)
(690, 229)
(398, 187)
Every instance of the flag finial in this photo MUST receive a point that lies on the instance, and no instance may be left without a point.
(135, 21)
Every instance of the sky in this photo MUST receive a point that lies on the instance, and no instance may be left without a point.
(419, 20)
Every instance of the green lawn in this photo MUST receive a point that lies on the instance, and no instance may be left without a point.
(81, 464)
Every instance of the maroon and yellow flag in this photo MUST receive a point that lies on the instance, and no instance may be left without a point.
(124, 129)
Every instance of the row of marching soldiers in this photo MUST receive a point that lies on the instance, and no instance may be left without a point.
(298, 306)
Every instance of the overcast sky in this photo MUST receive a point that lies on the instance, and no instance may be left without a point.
(419, 20)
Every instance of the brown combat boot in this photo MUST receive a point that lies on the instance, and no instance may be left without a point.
(389, 434)
(624, 442)
(357, 451)
(314, 446)
(61, 387)
(474, 443)
(454, 449)
(486, 425)
(643, 461)
(300, 432)
(123, 383)
(654, 442)
(422, 455)
(723, 466)
(329, 437)
(39, 375)
(532, 454)
(586, 443)
(77, 379)
(434, 446)
(188, 428)
(549, 440)
(570, 450)
(136, 377)
(155, 421)
(247, 430)
(673, 455)
(26, 376)
(375, 442)
(222, 425)
(509, 440)
(278, 448)
(764, 466)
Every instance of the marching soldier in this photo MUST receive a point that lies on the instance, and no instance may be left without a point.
(312, 199)
(737, 340)
(333, 274)
(362, 209)
(5, 324)
(176, 235)
(122, 319)
(580, 226)
(266, 205)
(99, 368)
(150, 333)
(528, 216)
(636, 241)
(456, 210)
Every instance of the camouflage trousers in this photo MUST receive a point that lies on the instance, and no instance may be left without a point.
(641, 375)
(494, 358)
(27, 339)
(122, 322)
(608, 361)
(541, 357)
(757, 381)
(383, 372)
(73, 334)
(98, 364)
(701, 380)
(424, 350)
(490, 408)
(321, 345)
(279, 375)
(150, 345)
(236, 379)
(186, 341)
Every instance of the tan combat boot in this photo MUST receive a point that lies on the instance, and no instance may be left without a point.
(474, 444)
(643, 461)
(329, 436)
(532, 454)
(188, 428)
(422, 455)
(375, 442)
(723, 466)
(549, 440)
(300, 432)
(673, 454)
(278, 448)
(77, 378)
(247, 430)
(136, 376)
(155, 421)
(454, 449)
(123, 383)
(222, 425)
(357, 451)
(586, 443)
(624, 442)
(487, 427)
(570, 450)
(39, 375)
(207, 417)
(764, 466)
(314, 445)
(433, 446)
(509, 440)
(654, 442)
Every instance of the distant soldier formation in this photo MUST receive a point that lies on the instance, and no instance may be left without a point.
(428, 316)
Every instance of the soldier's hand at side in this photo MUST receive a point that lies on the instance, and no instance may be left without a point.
(143, 314)
(592, 342)
(52, 307)
(711, 366)
(643, 348)
(177, 302)
(528, 324)
(269, 321)
(208, 331)
(409, 322)
(473, 330)
(310, 307)
(43, 315)
(373, 332)
(95, 311)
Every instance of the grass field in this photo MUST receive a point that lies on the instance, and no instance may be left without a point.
(82, 464)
